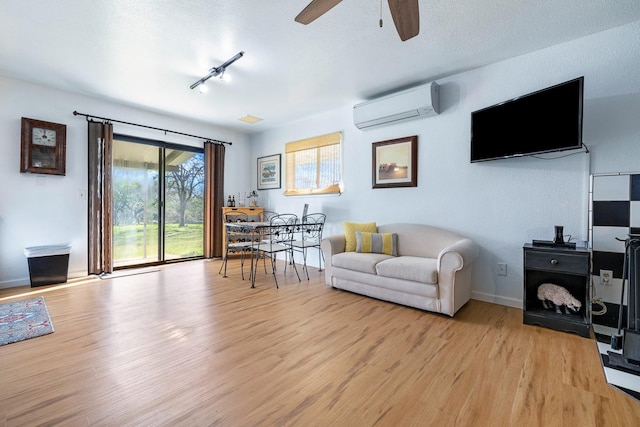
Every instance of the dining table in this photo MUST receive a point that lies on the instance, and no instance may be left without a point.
(258, 232)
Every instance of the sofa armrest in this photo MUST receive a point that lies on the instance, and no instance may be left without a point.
(465, 248)
(331, 245)
(455, 288)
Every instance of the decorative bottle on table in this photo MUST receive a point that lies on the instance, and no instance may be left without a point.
(253, 198)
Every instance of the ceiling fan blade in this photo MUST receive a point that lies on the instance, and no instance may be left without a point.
(314, 10)
(406, 17)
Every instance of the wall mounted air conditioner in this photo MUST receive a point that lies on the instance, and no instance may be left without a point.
(415, 103)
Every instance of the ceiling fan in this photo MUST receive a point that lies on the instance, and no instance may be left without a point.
(404, 12)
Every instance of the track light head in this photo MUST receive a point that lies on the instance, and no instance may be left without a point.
(225, 77)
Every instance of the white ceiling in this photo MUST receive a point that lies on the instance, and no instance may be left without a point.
(146, 53)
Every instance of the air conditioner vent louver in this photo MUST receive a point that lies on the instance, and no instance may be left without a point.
(415, 103)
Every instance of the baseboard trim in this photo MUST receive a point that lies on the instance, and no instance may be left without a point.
(15, 283)
(26, 281)
(495, 299)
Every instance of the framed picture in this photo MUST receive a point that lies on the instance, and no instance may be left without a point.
(395, 163)
(269, 172)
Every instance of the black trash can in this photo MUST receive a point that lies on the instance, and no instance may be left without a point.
(48, 265)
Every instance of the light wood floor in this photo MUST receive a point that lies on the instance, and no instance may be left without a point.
(183, 346)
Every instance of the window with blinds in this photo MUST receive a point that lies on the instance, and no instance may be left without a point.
(314, 165)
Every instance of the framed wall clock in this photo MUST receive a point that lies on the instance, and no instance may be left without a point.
(43, 147)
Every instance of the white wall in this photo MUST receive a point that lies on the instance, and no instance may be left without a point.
(500, 204)
(46, 209)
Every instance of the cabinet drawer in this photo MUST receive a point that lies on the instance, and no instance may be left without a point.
(573, 264)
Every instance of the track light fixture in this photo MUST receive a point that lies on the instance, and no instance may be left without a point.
(216, 71)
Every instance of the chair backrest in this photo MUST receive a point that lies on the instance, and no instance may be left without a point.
(236, 235)
(267, 215)
(282, 227)
(313, 226)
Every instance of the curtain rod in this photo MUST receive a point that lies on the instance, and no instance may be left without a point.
(88, 116)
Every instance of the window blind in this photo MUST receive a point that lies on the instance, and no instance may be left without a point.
(313, 165)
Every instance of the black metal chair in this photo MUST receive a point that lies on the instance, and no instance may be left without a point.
(267, 215)
(277, 239)
(264, 232)
(238, 240)
(310, 236)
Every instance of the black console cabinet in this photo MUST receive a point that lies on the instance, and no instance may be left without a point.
(564, 267)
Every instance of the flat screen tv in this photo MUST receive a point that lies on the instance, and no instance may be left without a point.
(540, 122)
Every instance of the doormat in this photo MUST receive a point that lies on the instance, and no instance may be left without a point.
(623, 379)
(21, 320)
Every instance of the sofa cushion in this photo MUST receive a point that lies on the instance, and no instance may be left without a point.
(420, 240)
(424, 270)
(350, 229)
(365, 263)
(378, 243)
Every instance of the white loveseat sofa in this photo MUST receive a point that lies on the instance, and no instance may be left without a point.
(432, 269)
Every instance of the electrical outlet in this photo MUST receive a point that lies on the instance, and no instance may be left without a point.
(502, 269)
(606, 277)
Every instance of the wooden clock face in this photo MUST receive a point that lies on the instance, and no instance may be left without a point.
(43, 147)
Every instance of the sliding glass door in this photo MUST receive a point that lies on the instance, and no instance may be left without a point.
(184, 206)
(157, 202)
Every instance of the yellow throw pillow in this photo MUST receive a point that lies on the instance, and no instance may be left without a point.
(350, 229)
(377, 243)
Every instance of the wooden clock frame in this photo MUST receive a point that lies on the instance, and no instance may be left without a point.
(42, 159)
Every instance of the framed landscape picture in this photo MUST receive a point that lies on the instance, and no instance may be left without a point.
(269, 172)
(395, 163)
